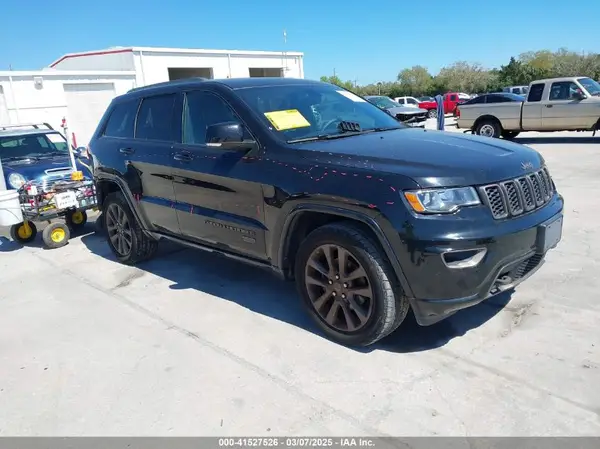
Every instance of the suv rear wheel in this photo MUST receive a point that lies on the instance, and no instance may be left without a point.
(349, 288)
(124, 234)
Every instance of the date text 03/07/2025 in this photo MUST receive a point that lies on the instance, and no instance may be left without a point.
(287, 442)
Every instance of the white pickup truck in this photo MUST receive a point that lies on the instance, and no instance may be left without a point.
(558, 104)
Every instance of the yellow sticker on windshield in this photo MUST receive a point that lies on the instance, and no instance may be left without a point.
(290, 119)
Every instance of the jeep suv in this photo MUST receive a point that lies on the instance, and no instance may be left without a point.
(369, 216)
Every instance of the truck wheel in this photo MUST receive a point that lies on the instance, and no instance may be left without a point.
(508, 135)
(432, 113)
(488, 128)
(348, 286)
(125, 236)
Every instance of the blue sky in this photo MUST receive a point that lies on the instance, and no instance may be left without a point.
(366, 41)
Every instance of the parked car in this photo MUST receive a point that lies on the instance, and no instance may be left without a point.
(557, 104)
(407, 101)
(426, 98)
(451, 100)
(370, 217)
(38, 153)
(518, 90)
(463, 96)
(410, 116)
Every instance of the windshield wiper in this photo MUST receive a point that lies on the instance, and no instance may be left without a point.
(51, 153)
(19, 158)
(384, 128)
(329, 136)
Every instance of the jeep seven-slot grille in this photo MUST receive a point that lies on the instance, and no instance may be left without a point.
(520, 195)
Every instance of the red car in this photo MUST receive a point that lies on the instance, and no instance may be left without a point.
(451, 100)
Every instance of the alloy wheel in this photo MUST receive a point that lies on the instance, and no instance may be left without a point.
(119, 229)
(339, 288)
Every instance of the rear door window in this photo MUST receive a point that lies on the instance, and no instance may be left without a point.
(155, 119)
(122, 120)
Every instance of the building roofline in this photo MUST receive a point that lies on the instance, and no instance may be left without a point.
(198, 51)
(59, 73)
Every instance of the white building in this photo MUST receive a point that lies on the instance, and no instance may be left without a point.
(79, 86)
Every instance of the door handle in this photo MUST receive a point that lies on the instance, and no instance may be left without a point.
(548, 105)
(183, 157)
(126, 150)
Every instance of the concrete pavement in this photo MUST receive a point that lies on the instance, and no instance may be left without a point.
(192, 345)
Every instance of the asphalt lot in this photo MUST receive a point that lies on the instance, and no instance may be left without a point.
(192, 345)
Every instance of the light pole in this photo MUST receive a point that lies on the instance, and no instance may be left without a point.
(379, 88)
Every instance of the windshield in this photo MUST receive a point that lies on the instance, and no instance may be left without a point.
(307, 111)
(384, 102)
(590, 85)
(32, 146)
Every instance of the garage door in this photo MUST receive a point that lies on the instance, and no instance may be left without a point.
(3, 109)
(86, 104)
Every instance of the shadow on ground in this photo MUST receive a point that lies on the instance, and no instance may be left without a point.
(557, 140)
(262, 292)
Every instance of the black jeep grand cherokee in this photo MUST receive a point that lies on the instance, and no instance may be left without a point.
(370, 217)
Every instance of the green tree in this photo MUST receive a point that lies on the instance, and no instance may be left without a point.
(415, 81)
(464, 77)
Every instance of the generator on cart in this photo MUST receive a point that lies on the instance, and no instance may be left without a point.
(59, 196)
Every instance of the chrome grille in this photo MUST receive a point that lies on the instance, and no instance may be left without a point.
(520, 195)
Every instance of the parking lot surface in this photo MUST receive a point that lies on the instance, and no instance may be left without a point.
(189, 344)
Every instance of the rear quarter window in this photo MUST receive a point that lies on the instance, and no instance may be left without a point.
(535, 94)
(121, 121)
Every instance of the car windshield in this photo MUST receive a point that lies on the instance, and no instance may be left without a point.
(384, 102)
(591, 86)
(32, 146)
(315, 111)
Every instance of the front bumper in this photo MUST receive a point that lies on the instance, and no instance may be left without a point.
(512, 252)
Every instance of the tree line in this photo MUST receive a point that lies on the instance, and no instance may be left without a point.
(463, 76)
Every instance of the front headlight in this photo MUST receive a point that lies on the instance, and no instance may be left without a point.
(16, 180)
(441, 201)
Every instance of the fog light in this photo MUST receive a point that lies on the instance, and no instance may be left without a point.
(464, 258)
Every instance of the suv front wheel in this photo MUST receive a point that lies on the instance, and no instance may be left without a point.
(349, 288)
(125, 236)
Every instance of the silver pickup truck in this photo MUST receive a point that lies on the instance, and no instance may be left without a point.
(558, 104)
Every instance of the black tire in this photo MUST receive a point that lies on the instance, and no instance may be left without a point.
(390, 305)
(142, 247)
(488, 128)
(432, 113)
(56, 235)
(508, 135)
(76, 220)
(99, 224)
(19, 234)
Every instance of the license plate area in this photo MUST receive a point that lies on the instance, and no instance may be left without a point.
(65, 200)
(549, 234)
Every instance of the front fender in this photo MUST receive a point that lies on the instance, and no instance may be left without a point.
(382, 229)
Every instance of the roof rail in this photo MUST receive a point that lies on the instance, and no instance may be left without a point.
(26, 125)
(168, 83)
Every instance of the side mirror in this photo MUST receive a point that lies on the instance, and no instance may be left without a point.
(229, 132)
(578, 96)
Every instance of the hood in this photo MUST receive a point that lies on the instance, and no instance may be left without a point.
(32, 169)
(431, 158)
(406, 110)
